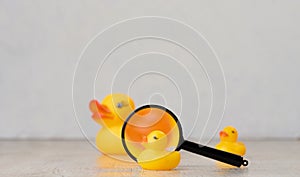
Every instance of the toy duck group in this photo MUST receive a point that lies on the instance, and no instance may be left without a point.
(111, 114)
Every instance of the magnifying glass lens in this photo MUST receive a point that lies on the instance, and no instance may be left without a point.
(150, 133)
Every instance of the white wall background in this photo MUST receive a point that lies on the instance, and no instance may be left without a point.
(258, 43)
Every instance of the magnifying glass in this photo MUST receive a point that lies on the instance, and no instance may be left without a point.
(152, 135)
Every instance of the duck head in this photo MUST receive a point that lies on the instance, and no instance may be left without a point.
(229, 134)
(113, 109)
(156, 140)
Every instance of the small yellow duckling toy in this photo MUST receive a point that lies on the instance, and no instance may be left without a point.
(155, 156)
(110, 114)
(229, 143)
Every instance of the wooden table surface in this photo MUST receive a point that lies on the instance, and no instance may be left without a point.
(79, 158)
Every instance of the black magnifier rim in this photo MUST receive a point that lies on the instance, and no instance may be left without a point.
(181, 139)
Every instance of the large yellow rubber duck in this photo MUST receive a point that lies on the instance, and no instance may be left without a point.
(229, 143)
(155, 156)
(110, 114)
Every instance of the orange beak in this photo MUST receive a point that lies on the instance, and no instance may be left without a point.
(100, 111)
(223, 134)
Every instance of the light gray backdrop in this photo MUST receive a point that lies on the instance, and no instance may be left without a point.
(258, 43)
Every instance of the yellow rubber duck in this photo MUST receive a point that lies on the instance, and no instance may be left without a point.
(110, 114)
(155, 156)
(229, 143)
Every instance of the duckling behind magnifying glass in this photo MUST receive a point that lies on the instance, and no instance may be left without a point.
(155, 156)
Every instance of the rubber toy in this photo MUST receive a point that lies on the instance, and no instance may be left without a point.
(155, 146)
(228, 141)
(110, 114)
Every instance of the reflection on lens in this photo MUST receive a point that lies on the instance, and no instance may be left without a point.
(150, 132)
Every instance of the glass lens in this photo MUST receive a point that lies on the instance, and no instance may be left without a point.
(150, 133)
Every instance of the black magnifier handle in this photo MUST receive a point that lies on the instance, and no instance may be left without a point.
(212, 153)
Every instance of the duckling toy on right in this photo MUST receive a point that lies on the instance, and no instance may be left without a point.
(228, 141)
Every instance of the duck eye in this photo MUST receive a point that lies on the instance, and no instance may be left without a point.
(155, 137)
(232, 131)
(119, 105)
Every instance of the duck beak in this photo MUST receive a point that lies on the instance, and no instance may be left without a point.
(223, 134)
(100, 111)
